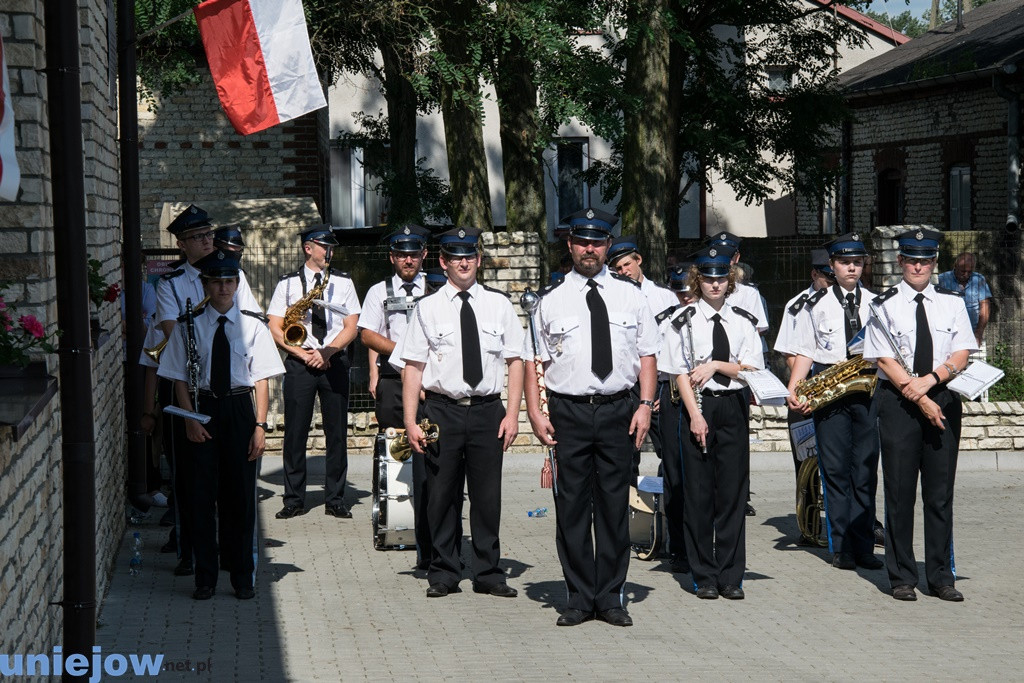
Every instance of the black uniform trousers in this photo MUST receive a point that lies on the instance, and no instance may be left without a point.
(301, 386)
(848, 461)
(389, 414)
(467, 453)
(672, 470)
(224, 492)
(594, 460)
(911, 445)
(178, 451)
(716, 485)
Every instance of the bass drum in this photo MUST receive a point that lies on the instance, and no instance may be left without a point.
(392, 516)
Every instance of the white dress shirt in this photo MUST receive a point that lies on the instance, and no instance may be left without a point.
(563, 331)
(786, 341)
(821, 324)
(173, 292)
(947, 316)
(744, 342)
(658, 296)
(749, 299)
(340, 290)
(254, 356)
(435, 338)
(391, 325)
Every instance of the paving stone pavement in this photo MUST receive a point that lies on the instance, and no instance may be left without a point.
(330, 608)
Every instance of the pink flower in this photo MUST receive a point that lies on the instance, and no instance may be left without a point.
(3, 304)
(5, 320)
(113, 291)
(32, 326)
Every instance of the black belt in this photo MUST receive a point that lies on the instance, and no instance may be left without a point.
(718, 393)
(464, 401)
(237, 391)
(596, 399)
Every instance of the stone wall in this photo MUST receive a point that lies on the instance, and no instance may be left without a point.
(31, 511)
(188, 152)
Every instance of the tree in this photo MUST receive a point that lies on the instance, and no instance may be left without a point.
(904, 22)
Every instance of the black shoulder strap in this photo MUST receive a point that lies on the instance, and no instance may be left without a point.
(887, 294)
(551, 286)
(259, 316)
(683, 317)
(173, 274)
(817, 296)
(497, 291)
(953, 292)
(341, 273)
(799, 303)
(744, 314)
(297, 273)
(660, 318)
(625, 279)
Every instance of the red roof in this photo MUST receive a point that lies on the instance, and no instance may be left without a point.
(866, 21)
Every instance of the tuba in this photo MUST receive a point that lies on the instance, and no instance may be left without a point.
(294, 331)
(832, 384)
(400, 449)
(810, 502)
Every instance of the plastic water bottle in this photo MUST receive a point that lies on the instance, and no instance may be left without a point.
(539, 512)
(135, 564)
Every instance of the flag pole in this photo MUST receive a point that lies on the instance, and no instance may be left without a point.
(161, 27)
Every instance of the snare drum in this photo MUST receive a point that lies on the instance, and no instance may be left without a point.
(392, 517)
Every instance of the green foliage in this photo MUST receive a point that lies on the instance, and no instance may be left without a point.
(904, 22)
(1010, 387)
(169, 60)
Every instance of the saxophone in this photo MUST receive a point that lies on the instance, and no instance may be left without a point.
(294, 330)
(832, 384)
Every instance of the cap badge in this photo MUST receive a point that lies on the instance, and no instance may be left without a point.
(713, 253)
(407, 231)
(856, 238)
(193, 209)
(462, 233)
(220, 255)
(590, 213)
(919, 235)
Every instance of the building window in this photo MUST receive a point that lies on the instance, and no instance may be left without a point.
(830, 211)
(357, 198)
(890, 198)
(572, 193)
(960, 197)
(780, 78)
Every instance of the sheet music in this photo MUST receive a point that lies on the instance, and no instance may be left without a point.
(767, 388)
(978, 377)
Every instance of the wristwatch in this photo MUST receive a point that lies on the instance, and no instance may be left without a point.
(265, 426)
(649, 404)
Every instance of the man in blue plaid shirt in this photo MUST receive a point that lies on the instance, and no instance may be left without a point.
(975, 289)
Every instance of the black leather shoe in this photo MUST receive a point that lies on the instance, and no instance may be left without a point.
(498, 590)
(948, 593)
(203, 593)
(904, 592)
(707, 593)
(289, 511)
(731, 592)
(868, 561)
(439, 590)
(574, 617)
(184, 568)
(616, 616)
(750, 510)
(844, 561)
(245, 593)
(339, 510)
(879, 533)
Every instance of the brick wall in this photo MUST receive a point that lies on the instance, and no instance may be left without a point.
(188, 152)
(31, 512)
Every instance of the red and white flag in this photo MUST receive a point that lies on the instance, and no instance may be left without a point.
(261, 61)
(10, 175)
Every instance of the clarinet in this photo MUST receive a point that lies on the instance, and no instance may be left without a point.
(689, 366)
(191, 354)
(897, 354)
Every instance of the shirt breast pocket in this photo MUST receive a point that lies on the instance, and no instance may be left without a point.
(624, 330)
(442, 339)
(825, 335)
(491, 339)
(239, 364)
(942, 338)
(563, 335)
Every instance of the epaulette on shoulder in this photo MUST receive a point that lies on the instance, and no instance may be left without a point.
(683, 316)
(340, 273)
(625, 279)
(887, 294)
(259, 316)
(816, 297)
(661, 286)
(297, 273)
(173, 274)
(497, 291)
(177, 263)
(749, 316)
(799, 303)
(544, 290)
(953, 292)
(660, 318)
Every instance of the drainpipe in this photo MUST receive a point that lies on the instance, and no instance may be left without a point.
(78, 447)
(1012, 148)
(131, 254)
(846, 180)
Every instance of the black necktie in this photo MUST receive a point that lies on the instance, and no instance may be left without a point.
(472, 366)
(923, 347)
(852, 318)
(220, 360)
(719, 348)
(600, 333)
(319, 321)
(409, 288)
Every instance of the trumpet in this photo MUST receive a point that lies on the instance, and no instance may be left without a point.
(154, 351)
(400, 448)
